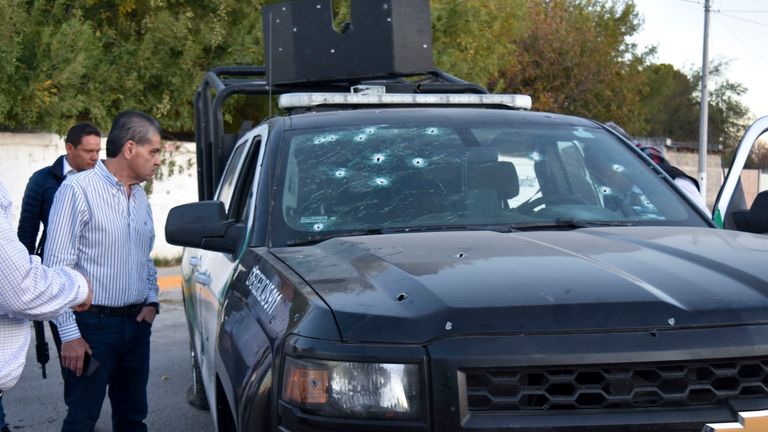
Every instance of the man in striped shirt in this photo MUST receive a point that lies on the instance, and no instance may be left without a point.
(83, 144)
(28, 291)
(101, 225)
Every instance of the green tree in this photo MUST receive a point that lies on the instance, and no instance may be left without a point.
(53, 51)
(64, 62)
(471, 38)
(670, 106)
(88, 59)
(576, 57)
(13, 16)
(727, 114)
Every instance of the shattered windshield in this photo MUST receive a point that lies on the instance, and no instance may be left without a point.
(397, 177)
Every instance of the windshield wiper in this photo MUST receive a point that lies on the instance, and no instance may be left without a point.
(505, 228)
(333, 234)
(571, 223)
(398, 230)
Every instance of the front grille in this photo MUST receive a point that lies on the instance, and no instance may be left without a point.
(615, 386)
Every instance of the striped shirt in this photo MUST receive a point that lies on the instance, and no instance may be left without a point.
(96, 228)
(27, 291)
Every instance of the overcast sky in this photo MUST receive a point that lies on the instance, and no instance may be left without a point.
(738, 32)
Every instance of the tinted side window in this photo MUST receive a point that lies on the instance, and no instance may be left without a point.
(241, 205)
(229, 179)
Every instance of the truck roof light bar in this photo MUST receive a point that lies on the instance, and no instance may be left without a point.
(306, 100)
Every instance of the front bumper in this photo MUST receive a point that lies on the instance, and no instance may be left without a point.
(671, 380)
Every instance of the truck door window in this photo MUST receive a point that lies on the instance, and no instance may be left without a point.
(241, 205)
(229, 178)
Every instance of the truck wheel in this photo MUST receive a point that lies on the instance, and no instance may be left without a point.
(196, 391)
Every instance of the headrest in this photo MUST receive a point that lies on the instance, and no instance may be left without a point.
(498, 175)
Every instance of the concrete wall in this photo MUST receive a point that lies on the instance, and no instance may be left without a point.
(689, 162)
(682, 155)
(25, 153)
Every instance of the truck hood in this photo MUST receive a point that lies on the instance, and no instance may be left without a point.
(416, 287)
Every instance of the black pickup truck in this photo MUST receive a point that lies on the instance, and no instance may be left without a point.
(418, 255)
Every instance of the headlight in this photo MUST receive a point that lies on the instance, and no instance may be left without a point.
(350, 389)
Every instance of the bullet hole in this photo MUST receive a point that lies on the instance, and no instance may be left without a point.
(318, 227)
(340, 173)
(448, 325)
(432, 131)
(378, 158)
(418, 162)
(460, 255)
(402, 296)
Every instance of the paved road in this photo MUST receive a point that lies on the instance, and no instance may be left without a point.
(37, 405)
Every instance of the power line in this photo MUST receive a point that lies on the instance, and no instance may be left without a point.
(738, 39)
(742, 19)
(742, 11)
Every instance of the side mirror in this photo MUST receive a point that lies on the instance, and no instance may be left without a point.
(203, 225)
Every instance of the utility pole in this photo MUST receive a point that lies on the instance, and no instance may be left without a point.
(703, 118)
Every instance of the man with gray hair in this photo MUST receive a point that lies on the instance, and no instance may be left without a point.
(101, 224)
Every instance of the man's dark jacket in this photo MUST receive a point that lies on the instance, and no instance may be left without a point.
(37, 202)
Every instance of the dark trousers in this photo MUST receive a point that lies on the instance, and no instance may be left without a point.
(121, 346)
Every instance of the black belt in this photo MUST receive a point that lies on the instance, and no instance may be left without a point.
(123, 311)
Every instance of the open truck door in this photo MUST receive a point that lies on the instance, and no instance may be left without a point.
(732, 211)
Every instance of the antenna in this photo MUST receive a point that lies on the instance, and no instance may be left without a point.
(269, 72)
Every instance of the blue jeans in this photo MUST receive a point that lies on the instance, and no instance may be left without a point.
(2, 413)
(121, 346)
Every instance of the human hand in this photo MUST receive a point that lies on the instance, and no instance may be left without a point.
(88, 299)
(147, 314)
(73, 354)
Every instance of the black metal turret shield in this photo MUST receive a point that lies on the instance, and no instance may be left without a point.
(385, 37)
